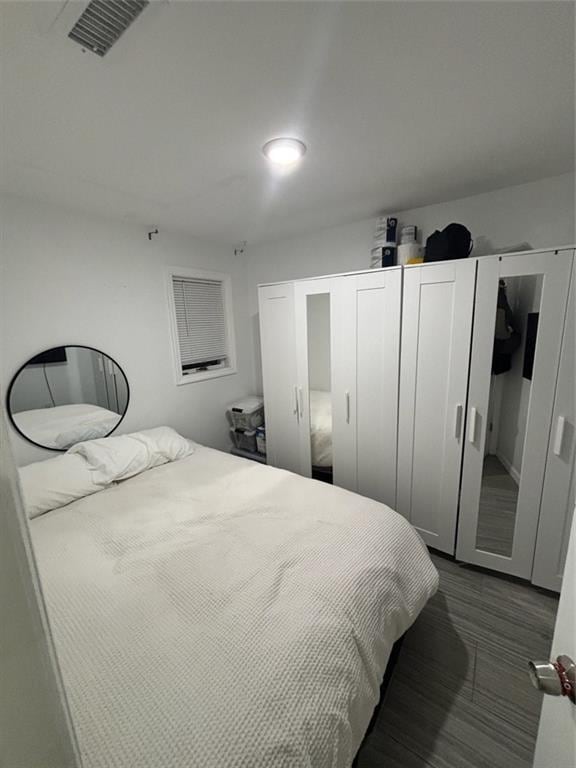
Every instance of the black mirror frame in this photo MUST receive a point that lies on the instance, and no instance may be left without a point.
(79, 346)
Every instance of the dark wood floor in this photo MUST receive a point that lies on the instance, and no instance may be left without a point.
(460, 696)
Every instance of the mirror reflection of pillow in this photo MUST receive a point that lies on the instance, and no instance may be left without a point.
(56, 482)
(113, 459)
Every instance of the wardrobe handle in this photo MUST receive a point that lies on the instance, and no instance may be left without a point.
(347, 407)
(301, 401)
(458, 421)
(559, 436)
(472, 428)
(296, 409)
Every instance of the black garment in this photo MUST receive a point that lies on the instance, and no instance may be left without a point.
(507, 337)
(453, 242)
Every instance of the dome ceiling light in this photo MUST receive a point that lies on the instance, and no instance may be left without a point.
(284, 151)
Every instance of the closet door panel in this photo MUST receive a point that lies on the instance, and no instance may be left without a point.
(501, 492)
(558, 497)
(378, 308)
(278, 344)
(344, 393)
(436, 329)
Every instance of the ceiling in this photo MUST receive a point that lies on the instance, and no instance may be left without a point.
(400, 103)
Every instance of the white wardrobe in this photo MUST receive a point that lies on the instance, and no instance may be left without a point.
(330, 358)
(387, 383)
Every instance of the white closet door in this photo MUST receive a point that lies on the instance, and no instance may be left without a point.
(313, 322)
(344, 396)
(365, 365)
(278, 345)
(558, 497)
(378, 312)
(500, 498)
(436, 328)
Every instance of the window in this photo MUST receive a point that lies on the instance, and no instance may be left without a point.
(202, 328)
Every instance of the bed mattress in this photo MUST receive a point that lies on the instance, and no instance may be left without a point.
(215, 612)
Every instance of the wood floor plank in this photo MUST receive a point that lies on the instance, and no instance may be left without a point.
(382, 751)
(457, 579)
(449, 732)
(493, 619)
(522, 616)
(460, 696)
(439, 656)
(529, 605)
(501, 684)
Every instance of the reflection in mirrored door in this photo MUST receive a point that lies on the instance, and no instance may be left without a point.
(515, 339)
(319, 385)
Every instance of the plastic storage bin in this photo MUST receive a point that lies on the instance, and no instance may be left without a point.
(245, 439)
(261, 440)
(247, 413)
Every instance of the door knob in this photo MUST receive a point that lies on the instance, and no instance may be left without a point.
(556, 678)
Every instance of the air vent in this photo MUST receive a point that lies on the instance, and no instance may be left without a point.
(103, 22)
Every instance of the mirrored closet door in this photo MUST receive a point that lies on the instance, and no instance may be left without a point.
(313, 307)
(559, 491)
(518, 324)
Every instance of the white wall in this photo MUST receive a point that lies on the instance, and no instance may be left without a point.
(74, 381)
(68, 278)
(540, 214)
(34, 720)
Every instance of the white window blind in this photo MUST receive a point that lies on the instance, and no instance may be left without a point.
(200, 323)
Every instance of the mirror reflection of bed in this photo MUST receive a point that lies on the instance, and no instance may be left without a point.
(319, 382)
(514, 348)
(67, 394)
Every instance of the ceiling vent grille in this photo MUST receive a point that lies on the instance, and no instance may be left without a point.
(103, 22)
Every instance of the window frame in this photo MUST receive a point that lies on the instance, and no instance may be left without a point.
(201, 274)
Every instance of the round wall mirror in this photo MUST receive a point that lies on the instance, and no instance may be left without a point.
(67, 394)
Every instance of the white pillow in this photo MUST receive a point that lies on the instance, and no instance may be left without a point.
(167, 442)
(56, 482)
(118, 458)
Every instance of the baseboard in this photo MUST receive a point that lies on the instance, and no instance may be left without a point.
(512, 471)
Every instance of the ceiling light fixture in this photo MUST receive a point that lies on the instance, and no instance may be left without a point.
(284, 151)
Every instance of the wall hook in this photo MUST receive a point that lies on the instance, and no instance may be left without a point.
(239, 250)
(152, 232)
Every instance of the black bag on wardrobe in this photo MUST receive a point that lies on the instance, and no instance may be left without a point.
(454, 242)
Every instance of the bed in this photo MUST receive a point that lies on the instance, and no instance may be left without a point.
(215, 612)
(64, 425)
(321, 428)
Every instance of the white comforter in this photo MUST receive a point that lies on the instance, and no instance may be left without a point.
(217, 613)
(64, 425)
